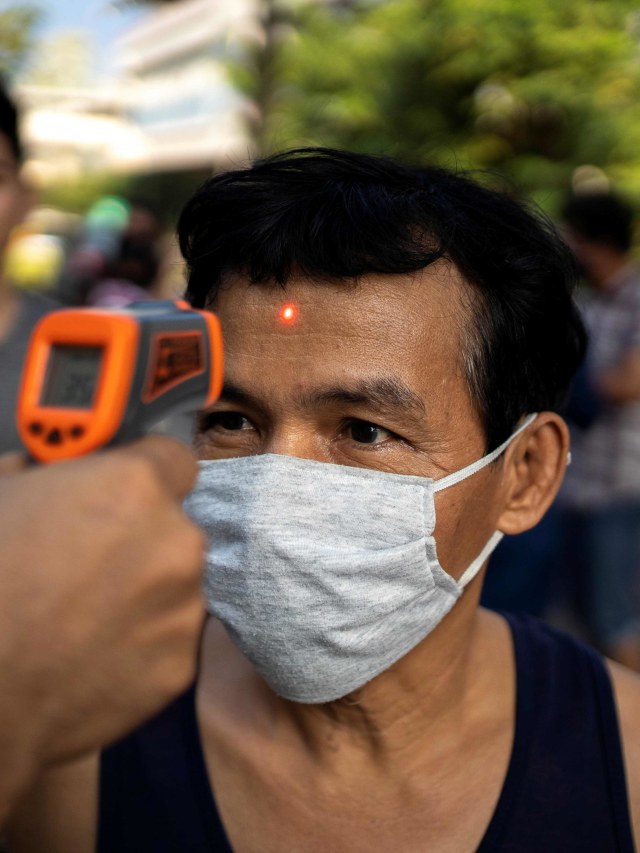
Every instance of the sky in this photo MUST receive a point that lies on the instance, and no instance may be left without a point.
(103, 20)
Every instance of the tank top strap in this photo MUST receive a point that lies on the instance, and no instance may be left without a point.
(565, 788)
(154, 789)
(564, 791)
(612, 746)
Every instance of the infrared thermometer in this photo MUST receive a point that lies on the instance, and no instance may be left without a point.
(100, 377)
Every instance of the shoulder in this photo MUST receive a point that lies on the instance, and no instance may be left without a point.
(539, 645)
(59, 812)
(563, 666)
(565, 670)
(626, 688)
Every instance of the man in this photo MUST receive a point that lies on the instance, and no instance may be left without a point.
(19, 311)
(100, 601)
(601, 495)
(397, 343)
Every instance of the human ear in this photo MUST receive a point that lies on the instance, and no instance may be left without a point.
(534, 467)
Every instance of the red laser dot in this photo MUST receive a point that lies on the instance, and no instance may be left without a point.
(288, 313)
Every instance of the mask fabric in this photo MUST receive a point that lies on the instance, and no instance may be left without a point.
(324, 575)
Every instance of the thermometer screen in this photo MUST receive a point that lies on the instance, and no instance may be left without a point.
(72, 377)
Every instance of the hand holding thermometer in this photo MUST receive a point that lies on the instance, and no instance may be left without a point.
(94, 378)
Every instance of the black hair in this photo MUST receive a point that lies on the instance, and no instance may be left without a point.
(9, 123)
(600, 218)
(334, 214)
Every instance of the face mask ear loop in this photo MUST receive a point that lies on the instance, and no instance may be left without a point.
(469, 574)
(463, 473)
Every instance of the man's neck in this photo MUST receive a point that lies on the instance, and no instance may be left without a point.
(437, 686)
(446, 684)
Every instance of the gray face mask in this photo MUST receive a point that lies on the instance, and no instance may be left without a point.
(325, 575)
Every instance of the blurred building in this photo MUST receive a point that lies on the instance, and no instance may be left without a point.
(73, 131)
(168, 105)
(174, 67)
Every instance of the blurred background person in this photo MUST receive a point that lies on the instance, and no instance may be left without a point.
(19, 309)
(131, 274)
(600, 498)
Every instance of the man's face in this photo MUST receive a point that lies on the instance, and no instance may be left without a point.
(14, 197)
(368, 375)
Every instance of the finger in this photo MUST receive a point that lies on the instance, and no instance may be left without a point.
(172, 459)
(12, 463)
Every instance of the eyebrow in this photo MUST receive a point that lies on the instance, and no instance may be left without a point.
(383, 394)
(386, 395)
(235, 394)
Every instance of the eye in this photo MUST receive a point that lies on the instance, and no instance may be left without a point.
(364, 432)
(224, 422)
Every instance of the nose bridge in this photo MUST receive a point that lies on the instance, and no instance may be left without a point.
(294, 437)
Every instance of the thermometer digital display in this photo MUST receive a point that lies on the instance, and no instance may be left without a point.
(94, 378)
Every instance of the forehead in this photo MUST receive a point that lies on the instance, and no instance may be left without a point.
(410, 326)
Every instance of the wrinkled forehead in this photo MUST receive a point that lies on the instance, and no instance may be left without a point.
(410, 326)
(411, 305)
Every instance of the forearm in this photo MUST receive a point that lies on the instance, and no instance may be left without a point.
(18, 752)
(100, 602)
(59, 811)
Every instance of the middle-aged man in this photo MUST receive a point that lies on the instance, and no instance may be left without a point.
(398, 342)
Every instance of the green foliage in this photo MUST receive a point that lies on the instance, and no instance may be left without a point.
(16, 29)
(164, 191)
(530, 90)
(77, 196)
(63, 59)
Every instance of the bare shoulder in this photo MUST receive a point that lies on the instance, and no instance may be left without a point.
(626, 687)
(59, 813)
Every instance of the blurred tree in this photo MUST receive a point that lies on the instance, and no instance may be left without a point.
(64, 58)
(529, 90)
(166, 191)
(16, 29)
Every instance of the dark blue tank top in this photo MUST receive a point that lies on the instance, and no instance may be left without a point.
(564, 791)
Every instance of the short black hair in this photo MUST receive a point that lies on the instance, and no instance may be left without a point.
(600, 218)
(9, 122)
(335, 214)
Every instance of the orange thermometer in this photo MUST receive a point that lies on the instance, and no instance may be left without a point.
(99, 377)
